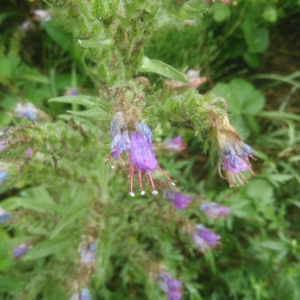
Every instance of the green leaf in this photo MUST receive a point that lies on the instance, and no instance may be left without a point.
(252, 59)
(221, 12)
(80, 99)
(96, 44)
(242, 97)
(59, 36)
(159, 67)
(37, 199)
(90, 113)
(49, 247)
(68, 219)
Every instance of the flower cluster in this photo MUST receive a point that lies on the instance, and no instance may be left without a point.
(234, 153)
(137, 144)
(26, 110)
(170, 286)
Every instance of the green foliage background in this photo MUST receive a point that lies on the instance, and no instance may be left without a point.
(66, 191)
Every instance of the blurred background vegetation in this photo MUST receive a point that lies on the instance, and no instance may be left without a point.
(248, 52)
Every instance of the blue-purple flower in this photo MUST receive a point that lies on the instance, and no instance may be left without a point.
(3, 175)
(137, 144)
(205, 238)
(26, 110)
(20, 250)
(180, 201)
(170, 286)
(235, 160)
(175, 145)
(214, 210)
(85, 294)
(87, 255)
(4, 216)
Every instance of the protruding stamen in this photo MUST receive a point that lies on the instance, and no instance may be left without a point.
(154, 192)
(132, 194)
(151, 181)
(173, 183)
(131, 174)
(143, 193)
(166, 175)
(140, 182)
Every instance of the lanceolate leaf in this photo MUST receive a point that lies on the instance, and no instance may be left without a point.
(159, 67)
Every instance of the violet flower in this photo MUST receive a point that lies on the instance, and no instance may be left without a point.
(180, 201)
(205, 238)
(214, 210)
(4, 216)
(19, 251)
(138, 147)
(175, 145)
(170, 286)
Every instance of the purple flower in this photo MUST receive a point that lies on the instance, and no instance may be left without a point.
(26, 111)
(176, 144)
(88, 255)
(138, 146)
(3, 175)
(3, 144)
(205, 238)
(19, 251)
(170, 286)
(142, 156)
(180, 201)
(214, 210)
(235, 160)
(4, 216)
